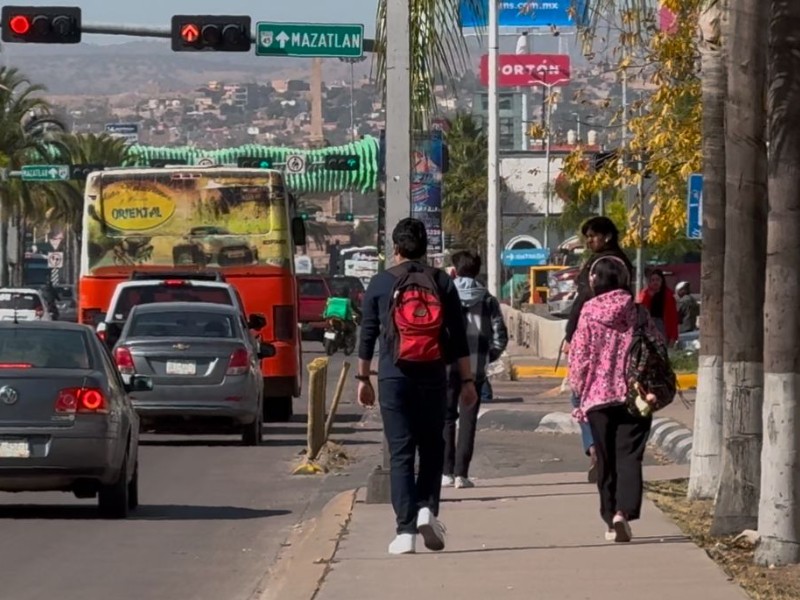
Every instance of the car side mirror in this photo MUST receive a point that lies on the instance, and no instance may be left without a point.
(299, 231)
(139, 383)
(266, 351)
(256, 321)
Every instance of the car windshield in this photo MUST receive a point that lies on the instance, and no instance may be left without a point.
(133, 296)
(174, 324)
(20, 301)
(44, 348)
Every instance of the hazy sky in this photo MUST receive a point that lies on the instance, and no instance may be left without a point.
(159, 12)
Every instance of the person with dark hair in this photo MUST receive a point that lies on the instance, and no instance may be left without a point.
(597, 373)
(487, 337)
(688, 308)
(660, 301)
(416, 313)
(602, 239)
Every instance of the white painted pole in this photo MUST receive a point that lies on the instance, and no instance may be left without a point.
(493, 218)
(548, 186)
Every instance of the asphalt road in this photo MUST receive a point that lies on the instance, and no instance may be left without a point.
(212, 520)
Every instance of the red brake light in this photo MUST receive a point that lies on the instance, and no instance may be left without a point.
(20, 24)
(81, 400)
(124, 360)
(239, 363)
(16, 366)
(39, 313)
(175, 282)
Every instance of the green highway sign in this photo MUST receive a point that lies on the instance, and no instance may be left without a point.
(45, 173)
(326, 40)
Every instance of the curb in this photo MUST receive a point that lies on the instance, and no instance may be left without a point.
(305, 560)
(686, 381)
(671, 438)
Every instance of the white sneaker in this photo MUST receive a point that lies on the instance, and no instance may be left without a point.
(464, 482)
(622, 529)
(404, 543)
(448, 481)
(431, 530)
(611, 535)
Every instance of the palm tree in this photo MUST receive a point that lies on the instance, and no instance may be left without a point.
(707, 443)
(745, 262)
(779, 512)
(465, 185)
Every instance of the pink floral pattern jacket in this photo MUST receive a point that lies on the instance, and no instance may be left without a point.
(599, 351)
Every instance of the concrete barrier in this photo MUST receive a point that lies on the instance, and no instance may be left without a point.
(540, 335)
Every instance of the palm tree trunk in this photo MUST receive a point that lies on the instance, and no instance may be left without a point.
(779, 511)
(745, 263)
(707, 443)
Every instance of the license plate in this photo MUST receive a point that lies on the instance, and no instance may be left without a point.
(235, 253)
(181, 368)
(15, 449)
(330, 335)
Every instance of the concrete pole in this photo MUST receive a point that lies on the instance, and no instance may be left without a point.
(494, 216)
(317, 134)
(548, 186)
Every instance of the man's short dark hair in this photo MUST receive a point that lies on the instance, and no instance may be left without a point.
(410, 239)
(467, 264)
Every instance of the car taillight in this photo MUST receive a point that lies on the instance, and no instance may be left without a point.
(16, 366)
(39, 313)
(81, 400)
(176, 282)
(239, 363)
(124, 360)
(283, 322)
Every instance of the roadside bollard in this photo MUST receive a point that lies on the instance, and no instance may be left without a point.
(317, 388)
(337, 396)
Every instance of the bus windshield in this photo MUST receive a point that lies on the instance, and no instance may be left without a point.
(185, 217)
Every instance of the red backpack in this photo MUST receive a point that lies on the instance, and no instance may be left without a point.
(416, 316)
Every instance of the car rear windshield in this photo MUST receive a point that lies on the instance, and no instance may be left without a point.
(44, 348)
(313, 288)
(20, 301)
(346, 286)
(133, 296)
(175, 324)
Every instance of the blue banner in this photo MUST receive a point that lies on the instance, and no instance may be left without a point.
(528, 257)
(694, 207)
(426, 186)
(521, 14)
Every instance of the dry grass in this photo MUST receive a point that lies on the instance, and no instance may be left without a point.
(735, 557)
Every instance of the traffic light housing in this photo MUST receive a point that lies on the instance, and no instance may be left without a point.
(342, 162)
(198, 33)
(254, 162)
(41, 24)
(346, 217)
(81, 172)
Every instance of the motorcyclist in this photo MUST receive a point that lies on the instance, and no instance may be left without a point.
(341, 306)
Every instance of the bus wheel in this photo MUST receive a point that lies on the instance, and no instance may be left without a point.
(278, 410)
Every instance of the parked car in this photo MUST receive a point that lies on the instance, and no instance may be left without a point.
(25, 304)
(562, 290)
(148, 291)
(204, 364)
(313, 292)
(66, 420)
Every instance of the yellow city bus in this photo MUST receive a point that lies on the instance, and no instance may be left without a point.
(234, 221)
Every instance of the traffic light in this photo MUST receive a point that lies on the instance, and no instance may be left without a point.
(81, 172)
(252, 162)
(41, 24)
(192, 33)
(303, 215)
(342, 162)
(346, 217)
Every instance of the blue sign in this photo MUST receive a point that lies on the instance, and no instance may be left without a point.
(426, 186)
(521, 14)
(528, 257)
(694, 207)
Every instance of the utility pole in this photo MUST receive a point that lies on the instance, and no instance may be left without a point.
(494, 216)
(548, 186)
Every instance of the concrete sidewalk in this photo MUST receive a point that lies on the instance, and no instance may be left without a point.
(525, 538)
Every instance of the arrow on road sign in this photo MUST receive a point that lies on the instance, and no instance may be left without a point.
(282, 39)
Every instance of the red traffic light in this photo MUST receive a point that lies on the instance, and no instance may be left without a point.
(20, 24)
(190, 32)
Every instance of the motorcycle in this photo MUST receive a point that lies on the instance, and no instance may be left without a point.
(339, 334)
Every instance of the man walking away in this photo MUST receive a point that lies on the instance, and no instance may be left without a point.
(487, 337)
(688, 308)
(416, 311)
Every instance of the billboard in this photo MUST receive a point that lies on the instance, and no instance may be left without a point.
(426, 186)
(527, 70)
(521, 14)
(127, 131)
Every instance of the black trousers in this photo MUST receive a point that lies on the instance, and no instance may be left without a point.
(620, 440)
(458, 451)
(413, 421)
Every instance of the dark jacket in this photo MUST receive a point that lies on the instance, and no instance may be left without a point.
(585, 290)
(375, 321)
(487, 335)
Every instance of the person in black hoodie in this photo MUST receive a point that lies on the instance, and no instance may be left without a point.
(602, 239)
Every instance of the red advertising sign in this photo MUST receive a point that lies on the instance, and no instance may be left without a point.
(526, 70)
